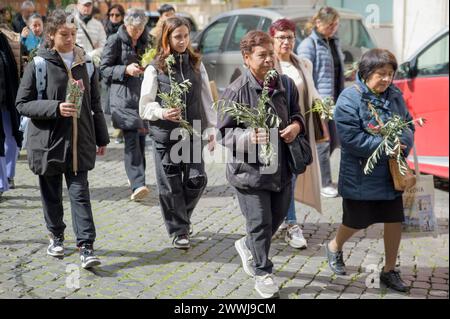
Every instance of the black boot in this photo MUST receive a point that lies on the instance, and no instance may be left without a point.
(393, 280)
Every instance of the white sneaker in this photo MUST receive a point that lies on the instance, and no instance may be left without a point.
(329, 191)
(294, 237)
(283, 227)
(266, 286)
(246, 256)
(140, 193)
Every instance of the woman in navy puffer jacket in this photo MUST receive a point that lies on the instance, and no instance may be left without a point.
(370, 199)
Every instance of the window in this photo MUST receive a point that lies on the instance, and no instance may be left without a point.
(266, 25)
(434, 61)
(212, 38)
(244, 24)
(361, 36)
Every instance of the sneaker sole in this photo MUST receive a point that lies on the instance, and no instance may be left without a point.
(329, 196)
(296, 246)
(182, 247)
(140, 195)
(244, 262)
(265, 295)
(61, 254)
(90, 264)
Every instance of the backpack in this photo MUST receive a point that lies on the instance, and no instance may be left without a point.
(41, 73)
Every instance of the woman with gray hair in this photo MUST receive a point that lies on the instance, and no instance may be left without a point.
(120, 67)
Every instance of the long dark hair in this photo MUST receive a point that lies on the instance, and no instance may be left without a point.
(163, 46)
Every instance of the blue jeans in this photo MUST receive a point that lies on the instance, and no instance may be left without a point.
(291, 218)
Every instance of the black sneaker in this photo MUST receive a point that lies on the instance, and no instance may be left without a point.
(335, 261)
(87, 256)
(393, 280)
(56, 247)
(181, 242)
(11, 183)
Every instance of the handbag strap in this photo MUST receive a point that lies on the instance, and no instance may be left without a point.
(288, 95)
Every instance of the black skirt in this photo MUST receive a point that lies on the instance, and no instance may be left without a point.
(360, 214)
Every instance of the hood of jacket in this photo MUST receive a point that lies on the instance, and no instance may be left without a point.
(54, 57)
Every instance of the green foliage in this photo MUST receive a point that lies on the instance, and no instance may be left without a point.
(259, 117)
(174, 99)
(391, 132)
(324, 107)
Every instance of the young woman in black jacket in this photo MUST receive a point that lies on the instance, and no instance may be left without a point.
(55, 148)
(181, 177)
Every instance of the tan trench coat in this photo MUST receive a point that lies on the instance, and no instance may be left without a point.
(307, 187)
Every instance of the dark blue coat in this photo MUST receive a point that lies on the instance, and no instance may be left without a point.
(352, 118)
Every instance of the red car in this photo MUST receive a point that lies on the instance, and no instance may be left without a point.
(423, 80)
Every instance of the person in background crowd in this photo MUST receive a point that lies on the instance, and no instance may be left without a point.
(300, 70)
(20, 19)
(52, 152)
(31, 36)
(322, 48)
(264, 198)
(6, 17)
(370, 199)
(180, 182)
(10, 136)
(120, 66)
(165, 11)
(114, 19)
(91, 35)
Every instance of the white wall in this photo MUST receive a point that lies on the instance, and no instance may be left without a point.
(415, 21)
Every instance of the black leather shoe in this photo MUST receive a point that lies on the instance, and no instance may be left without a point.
(335, 261)
(393, 280)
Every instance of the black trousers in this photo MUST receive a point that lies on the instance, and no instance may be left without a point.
(264, 211)
(80, 203)
(180, 186)
(134, 158)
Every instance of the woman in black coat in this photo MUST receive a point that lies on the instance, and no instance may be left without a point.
(59, 143)
(120, 67)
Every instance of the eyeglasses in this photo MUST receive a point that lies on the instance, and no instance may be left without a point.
(116, 15)
(282, 38)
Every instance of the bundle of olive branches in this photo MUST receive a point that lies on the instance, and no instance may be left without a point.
(324, 107)
(391, 132)
(174, 99)
(259, 117)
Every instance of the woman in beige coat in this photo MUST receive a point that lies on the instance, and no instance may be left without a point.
(307, 185)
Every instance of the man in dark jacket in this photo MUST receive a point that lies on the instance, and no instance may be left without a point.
(59, 142)
(120, 66)
(20, 19)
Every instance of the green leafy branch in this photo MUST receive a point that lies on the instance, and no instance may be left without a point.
(174, 99)
(259, 117)
(324, 108)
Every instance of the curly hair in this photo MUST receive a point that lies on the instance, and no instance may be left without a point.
(56, 20)
(253, 39)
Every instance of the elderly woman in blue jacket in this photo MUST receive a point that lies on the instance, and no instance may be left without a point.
(369, 199)
(322, 48)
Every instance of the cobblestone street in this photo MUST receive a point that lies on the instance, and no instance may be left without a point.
(138, 260)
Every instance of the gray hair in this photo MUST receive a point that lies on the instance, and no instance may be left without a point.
(27, 5)
(135, 17)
